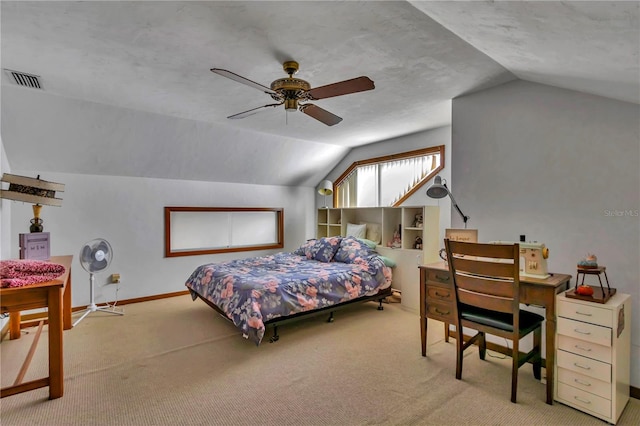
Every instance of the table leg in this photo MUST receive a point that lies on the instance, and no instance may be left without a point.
(423, 334)
(14, 325)
(550, 334)
(56, 372)
(66, 305)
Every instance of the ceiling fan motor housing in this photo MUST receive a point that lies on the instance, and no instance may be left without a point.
(291, 89)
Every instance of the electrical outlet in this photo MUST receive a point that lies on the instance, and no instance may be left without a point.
(115, 278)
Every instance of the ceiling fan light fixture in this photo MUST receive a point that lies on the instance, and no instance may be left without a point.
(291, 104)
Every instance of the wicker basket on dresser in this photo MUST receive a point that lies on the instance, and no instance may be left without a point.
(593, 355)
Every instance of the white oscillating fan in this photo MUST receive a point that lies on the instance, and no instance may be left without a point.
(95, 257)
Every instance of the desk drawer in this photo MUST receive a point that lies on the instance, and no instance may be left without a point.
(439, 278)
(583, 365)
(584, 348)
(441, 311)
(585, 383)
(440, 293)
(585, 400)
(584, 331)
(586, 313)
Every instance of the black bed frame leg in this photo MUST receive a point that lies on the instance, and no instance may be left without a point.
(275, 336)
(330, 319)
(380, 307)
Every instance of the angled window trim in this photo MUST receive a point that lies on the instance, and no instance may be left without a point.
(389, 158)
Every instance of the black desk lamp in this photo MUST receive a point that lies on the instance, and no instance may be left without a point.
(439, 190)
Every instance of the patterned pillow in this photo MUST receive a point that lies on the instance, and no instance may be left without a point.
(325, 248)
(353, 251)
(322, 249)
(305, 248)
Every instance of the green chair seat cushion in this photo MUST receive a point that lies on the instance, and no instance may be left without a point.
(528, 320)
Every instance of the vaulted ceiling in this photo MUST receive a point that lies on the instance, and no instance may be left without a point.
(125, 80)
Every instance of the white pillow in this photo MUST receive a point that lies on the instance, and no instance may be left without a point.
(357, 231)
(374, 232)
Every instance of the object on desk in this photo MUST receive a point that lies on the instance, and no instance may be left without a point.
(600, 294)
(34, 246)
(533, 259)
(29, 190)
(464, 235)
(20, 273)
(439, 189)
(588, 262)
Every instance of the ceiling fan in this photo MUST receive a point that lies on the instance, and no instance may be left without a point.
(291, 91)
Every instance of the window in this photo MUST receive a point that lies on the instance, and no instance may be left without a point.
(193, 231)
(389, 180)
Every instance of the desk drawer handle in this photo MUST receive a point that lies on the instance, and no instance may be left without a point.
(577, 330)
(584, 367)
(441, 294)
(586, 314)
(438, 311)
(580, 382)
(584, 401)
(441, 278)
(583, 349)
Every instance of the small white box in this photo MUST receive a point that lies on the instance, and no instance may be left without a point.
(35, 246)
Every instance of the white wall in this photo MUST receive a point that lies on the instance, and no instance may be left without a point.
(5, 217)
(429, 138)
(559, 166)
(128, 212)
(5, 208)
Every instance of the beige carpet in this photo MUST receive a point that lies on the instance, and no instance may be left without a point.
(175, 361)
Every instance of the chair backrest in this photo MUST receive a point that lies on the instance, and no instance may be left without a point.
(486, 275)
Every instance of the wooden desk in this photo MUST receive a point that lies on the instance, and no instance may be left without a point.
(437, 301)
(15, 317)
(48, 295)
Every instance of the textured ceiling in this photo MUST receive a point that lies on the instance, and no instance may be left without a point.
(154, 58)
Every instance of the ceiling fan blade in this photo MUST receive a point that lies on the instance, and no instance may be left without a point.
(320, 114)
(252, 111)
(359, 84)
(240, 79)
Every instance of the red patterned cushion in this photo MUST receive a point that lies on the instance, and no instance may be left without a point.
(18, 273)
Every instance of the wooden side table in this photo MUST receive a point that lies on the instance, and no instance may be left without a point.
(50, 295)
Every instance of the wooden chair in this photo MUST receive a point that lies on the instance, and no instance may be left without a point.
(487, 286)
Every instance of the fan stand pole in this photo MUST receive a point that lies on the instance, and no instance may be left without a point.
(93, 307)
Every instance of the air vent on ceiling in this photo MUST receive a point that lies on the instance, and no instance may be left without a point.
(24, 79)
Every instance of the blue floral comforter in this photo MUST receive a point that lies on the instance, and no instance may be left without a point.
(255, 290)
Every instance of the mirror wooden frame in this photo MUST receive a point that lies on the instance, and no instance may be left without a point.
(217, 213)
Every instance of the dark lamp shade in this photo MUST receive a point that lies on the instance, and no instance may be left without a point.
(437, 190)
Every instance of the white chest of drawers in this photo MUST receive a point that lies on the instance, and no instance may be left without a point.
(593, 355)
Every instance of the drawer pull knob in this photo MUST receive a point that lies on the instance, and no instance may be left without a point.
(441, 294)
(442, 278)
(584, 401)
(438, 311)
(581, 332)
(583, 349)
(580, 382)
(584, 367)
(586, 314)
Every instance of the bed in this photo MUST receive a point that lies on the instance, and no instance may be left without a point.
(322, 275)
